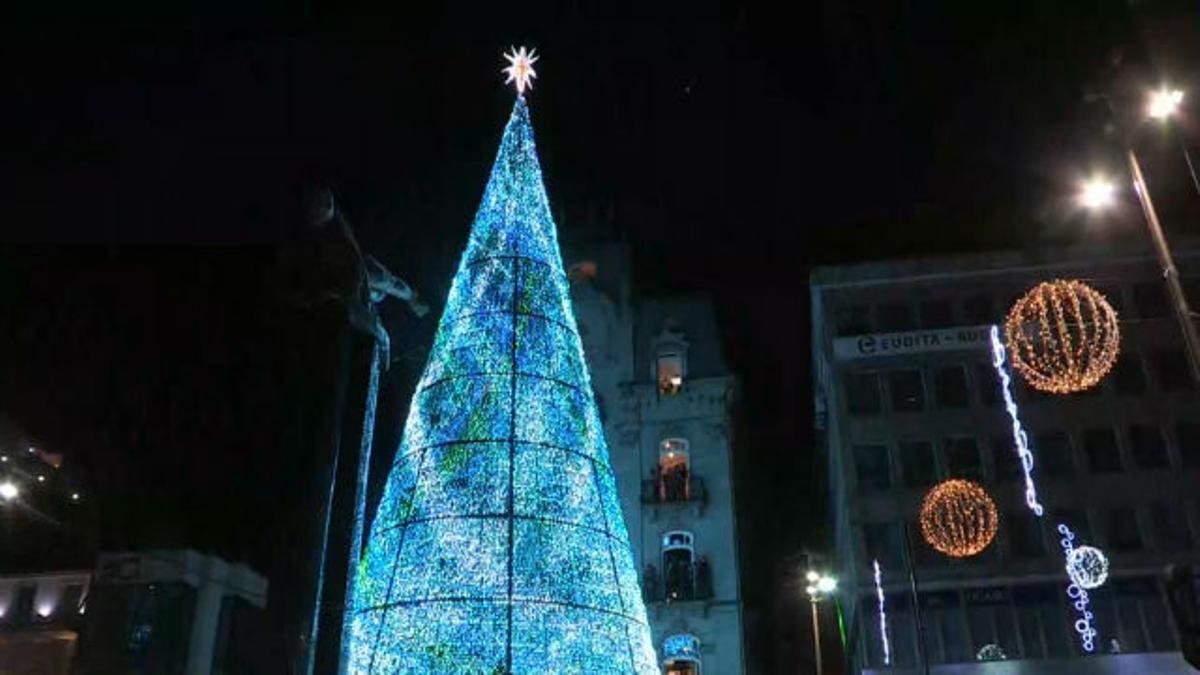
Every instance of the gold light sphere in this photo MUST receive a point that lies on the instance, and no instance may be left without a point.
(959, 518)
(1062, 336)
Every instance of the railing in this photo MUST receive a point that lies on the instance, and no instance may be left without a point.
(664, 491)
(681, 585)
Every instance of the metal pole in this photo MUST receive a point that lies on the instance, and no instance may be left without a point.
(816, 634)
(336, 438)
(1170, 274)
(360, 502)
(916, 600)
(1187, 157)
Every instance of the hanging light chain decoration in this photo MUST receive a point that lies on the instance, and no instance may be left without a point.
(1079, 596)
(958, 518)
(1020, 438)
(1063, 336)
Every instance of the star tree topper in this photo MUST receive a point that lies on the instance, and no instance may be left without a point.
(520, 68)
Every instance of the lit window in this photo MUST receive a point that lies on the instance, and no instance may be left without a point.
(669, 368)
(674, 464)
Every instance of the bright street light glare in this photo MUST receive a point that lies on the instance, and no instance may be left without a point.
(1164, 102)
(826, 584)
(811, 590)
(8, 491)
(812, 576)
(1096, 193)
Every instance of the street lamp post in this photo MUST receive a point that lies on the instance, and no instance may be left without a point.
(1097, 194)
(819, 586)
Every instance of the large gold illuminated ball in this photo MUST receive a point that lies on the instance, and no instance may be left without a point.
(1062, 336)
(959, 518)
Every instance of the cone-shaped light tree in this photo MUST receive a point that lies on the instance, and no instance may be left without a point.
(499, 544)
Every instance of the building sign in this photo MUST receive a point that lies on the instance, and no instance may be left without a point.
(911, 342)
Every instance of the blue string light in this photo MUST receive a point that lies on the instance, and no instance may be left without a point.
(1078, 596)
(883, 636)
(499, 545)
(1020, 439)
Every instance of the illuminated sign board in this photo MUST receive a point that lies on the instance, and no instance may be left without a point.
(879, 345)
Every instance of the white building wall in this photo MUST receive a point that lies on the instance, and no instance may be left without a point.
(636, 420)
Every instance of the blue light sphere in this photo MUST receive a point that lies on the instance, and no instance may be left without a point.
(1087, 566)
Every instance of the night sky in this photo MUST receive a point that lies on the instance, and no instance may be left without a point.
(156, 160)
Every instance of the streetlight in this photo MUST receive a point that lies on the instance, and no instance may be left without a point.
(1162, 106)
(819, 586)
(9, 491)
(1095, 195)
(1164, 103)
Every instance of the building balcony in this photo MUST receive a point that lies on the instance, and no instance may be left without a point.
(664, 492)
(688, 584)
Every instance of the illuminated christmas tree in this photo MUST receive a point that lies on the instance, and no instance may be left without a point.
(499, 544)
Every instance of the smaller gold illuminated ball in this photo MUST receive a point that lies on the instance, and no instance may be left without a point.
(1062, 336)
(958, 518)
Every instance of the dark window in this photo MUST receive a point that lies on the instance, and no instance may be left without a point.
(1103, 454)
(1053, 449)
(862, 394)
(895, 317)
(916, 461)
(1150, 299)
(853, 320)
(882, 542)
(950, 387)
(907, 389)
(1025, 535)
(1189, 444)
(1123, 533)
(962, 458)
(1076, 519)
(1114, 297)
(978, 310)
(1043, 624)
(1147, 446)
(871, 464)
(942, 614)
(988, 384)
(936, 314)
(24, 609)
(1128, 377)
(1005, 459)
(1170, 526)
(1172, 370)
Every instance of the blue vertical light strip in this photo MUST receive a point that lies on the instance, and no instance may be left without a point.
(1020, 438)
(499, 545)
(1077, 595)
(883, 634)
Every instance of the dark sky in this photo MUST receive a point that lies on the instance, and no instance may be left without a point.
(155, 158)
